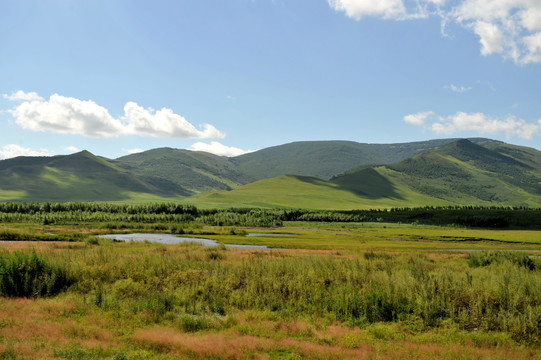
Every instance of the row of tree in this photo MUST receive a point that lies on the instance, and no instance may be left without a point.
(469, 216)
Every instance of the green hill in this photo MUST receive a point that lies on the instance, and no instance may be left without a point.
(458, 173)
(307, 192)
(437, 172)
(462, 173)
(77, 177)
(325, 159)
(192, 170)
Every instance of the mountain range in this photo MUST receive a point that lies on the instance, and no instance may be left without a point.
(310, 174)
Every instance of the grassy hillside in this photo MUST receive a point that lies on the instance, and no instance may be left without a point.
(311, 193)
(436, 172)
(325, 159)
(192, 170)
(461, 173)
(81, 176)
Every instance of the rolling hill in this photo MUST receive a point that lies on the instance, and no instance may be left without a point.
(192, 170)
(322, 174)
(458, 173)
(325, 159)
(81, 177)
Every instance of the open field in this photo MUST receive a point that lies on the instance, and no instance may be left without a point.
(356, 290)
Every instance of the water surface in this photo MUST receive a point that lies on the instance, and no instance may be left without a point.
(174, 239)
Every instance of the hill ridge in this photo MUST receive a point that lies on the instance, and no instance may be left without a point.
(442, 171)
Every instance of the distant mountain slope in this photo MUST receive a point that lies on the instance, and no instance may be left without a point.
(458, 173)
(81, 176)
(193, 170)
(449, 171)
(325, 159)
(461, 172)
(294, 191)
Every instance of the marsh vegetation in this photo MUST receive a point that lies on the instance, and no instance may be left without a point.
(340, 290)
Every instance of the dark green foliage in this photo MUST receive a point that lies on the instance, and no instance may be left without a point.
(174, 218)
(371, 255)
(192, 323)
(29, 275)
(8, 354)
(486, 258)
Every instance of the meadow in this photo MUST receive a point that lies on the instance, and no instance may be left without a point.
(335, 289)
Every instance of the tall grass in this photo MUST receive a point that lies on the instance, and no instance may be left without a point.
(410, 289)
(26, 274)
(485, 258)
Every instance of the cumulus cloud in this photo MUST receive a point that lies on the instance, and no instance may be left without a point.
(482, 124)
(218, 149)
(511, 28)
(490, 37)
(68, 115)
(163, 123)
(418, 118)
(22, 96)
(13, 150)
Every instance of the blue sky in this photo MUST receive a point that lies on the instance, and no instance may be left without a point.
(228, 76)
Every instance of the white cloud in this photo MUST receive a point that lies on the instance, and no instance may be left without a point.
(218, 149)
(72, 149)
(67, 115)
(511, 28)
(533, 43)
(491, 37)
(22, 96)
(163, 123)
(357, 9)
(13, 150)
(531, 18)
(482, 124)
(418, 118)
(134, 151)
(459, 89)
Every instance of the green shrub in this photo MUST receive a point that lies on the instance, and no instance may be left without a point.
(194, 323)
(28, 274)
(486, 258)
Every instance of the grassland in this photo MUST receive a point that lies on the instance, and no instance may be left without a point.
(308, 192)
(356, 290)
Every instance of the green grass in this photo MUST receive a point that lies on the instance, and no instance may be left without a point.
(28, 274)
(340, 290)
(442, 172)
(304, 192)
(367, 236)
(77, 177)
(459, 173)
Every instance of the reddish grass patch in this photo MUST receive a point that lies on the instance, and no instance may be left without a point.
(37, 326)
(230, 344)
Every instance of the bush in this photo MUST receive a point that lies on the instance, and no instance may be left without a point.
(485, 258)
(27, 274)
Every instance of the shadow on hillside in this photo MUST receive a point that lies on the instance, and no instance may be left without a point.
(366, 183)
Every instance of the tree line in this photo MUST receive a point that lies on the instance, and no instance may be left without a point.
(72, 212)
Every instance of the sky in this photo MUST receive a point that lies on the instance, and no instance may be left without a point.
(116, 77)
